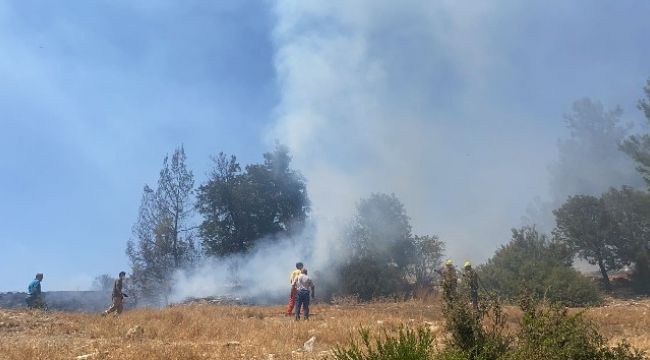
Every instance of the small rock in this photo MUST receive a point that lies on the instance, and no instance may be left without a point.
(233, 343)
(87, 356)
(380, 322)
(136, 332)
(309, 344)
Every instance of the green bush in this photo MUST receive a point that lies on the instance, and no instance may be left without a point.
(532, 264)
(566, 286)
(549, 332)
(475, 333)
(369, 279)
(409, 344)
(546, 332)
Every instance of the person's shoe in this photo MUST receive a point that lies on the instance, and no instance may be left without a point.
(297, 318)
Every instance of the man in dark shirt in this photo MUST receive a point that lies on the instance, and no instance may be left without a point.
(117, 296)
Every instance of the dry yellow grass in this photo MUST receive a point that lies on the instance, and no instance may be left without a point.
(261, 332)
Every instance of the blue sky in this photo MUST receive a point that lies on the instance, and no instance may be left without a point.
(418, 98)
(92, 98)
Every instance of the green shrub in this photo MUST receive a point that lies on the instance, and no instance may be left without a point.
(549, 332)
(566, 286)
(546, 332)
(369, 278)
(532, 264)
(409, 344)
(475, 333)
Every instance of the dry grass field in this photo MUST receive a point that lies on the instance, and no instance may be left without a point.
(245, 332)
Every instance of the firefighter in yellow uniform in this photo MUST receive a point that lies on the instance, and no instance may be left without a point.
(294, 292)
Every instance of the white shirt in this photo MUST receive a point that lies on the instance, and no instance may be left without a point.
(303, 282)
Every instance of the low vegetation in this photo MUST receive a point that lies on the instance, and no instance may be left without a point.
(262, 332)
(543, 332)
(534, 265)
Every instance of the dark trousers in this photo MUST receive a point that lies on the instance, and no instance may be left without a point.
(303, 301)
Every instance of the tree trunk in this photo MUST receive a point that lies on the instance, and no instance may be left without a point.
(175, 245)
(603, 271)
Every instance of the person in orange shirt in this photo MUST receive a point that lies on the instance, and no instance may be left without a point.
(292, 297)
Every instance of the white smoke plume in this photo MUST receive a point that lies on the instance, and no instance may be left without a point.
(412, 98)
(377, 96)
(261, 276)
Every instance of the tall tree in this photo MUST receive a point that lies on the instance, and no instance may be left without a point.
(427, 258)
(381, 248)
(382, 230)
(586, 227)
(240, 208)
(630, 209)
(638, 146)
(162, 236)
(590, 161)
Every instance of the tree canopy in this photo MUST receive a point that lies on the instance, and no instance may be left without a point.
(240, 208)
(584, 224)
(532, 264)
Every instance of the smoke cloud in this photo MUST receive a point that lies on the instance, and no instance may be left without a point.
(450, 106)
(261, 276)
(388, 97)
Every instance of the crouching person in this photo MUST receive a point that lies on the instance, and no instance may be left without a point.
(305, 288)
(117, 296)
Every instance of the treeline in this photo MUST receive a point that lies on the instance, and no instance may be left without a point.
(610, 230)
(377, 254)
(237, 209)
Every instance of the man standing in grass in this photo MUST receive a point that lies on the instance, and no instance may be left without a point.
(292, 296)
(304, 286)
(117, 296)
(34, 297)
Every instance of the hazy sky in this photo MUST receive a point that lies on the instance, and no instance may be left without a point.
(456, 108)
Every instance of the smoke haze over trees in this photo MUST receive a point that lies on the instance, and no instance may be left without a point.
(589, 160)
(638, 146)
(382, 253)
(248, 213)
